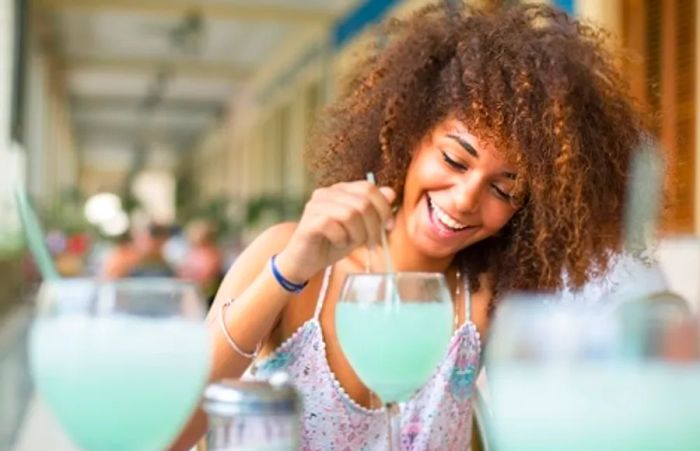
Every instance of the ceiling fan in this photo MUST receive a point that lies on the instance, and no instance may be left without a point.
(186, 36)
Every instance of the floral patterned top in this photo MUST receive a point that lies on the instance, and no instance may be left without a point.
(437, 417)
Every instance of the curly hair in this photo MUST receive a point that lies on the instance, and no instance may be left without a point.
(542, 87)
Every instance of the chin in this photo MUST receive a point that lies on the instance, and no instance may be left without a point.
(431, 250)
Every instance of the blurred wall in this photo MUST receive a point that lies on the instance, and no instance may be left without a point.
(257, 148)
(662, 40)
(7, 43)
(52, 156)
(11, 168)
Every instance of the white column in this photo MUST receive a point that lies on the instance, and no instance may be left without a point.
(6, 70)
(11, 157)
(696, 207)
(35, 123)
(296, 143)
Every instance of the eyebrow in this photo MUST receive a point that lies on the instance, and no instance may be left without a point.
(472, 151)
(465, 144)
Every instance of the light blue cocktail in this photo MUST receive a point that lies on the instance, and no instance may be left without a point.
(394, 351)
(578, 378)
(121, 365)
(394, 328)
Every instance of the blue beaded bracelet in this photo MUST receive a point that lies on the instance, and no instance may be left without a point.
(286, 284)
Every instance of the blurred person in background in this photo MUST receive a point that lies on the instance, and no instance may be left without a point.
(502, 141)
(202, 263)
(121, 259)
(149, 245)
(176, 247)
(69, 251)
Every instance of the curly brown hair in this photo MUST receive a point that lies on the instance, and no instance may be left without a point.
(544, 88)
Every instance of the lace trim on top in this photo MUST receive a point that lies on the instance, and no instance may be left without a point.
(316, 324)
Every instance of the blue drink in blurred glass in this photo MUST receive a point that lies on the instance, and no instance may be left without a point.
(120, 378)
(590, 407)
(566, 378)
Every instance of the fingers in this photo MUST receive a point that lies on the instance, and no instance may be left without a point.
(388, 193)
(351, 214)
(343, 211)
(381, 198)
(362, 201)
(335, 233)
(362, 208)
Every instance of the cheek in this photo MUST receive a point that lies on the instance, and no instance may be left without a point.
(427, 162)
(423, 174)
(496, 214)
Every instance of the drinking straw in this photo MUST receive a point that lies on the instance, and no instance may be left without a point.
(392, 296)
(385, 244)
(35, 236)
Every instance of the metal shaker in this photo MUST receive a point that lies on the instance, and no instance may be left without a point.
(252, 415)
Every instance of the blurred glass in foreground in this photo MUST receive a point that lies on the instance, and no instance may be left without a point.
(568, 377)
(120, 364)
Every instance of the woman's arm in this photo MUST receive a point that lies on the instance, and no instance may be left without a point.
(259, 301)
(336, 220)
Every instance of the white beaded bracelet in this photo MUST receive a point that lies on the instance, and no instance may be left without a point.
(233, 344)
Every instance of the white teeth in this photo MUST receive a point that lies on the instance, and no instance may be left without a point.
(445, 218)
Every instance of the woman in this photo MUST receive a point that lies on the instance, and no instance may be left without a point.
(502, 141)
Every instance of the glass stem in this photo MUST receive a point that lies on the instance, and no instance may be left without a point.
(393, 417)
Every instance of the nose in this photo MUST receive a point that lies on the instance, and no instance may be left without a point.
(467, 193)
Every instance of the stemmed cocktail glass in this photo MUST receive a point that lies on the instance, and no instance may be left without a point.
(394, 329)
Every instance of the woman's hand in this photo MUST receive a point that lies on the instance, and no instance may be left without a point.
(336, 220)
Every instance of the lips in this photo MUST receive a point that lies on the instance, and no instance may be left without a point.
(443, 223)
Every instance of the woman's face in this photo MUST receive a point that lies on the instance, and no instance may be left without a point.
(457, 191)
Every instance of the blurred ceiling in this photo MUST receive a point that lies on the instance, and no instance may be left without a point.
(145, 73)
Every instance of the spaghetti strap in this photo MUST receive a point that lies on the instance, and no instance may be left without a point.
(467, 298)
(328, 409)
(322, 293)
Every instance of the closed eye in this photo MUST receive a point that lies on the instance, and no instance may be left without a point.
(502, 194)
(452, 163)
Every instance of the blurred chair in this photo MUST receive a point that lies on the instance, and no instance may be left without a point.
(662, 305)
(679, 259)
(650, 325)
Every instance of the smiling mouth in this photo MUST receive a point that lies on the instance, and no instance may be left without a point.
(444, 220)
